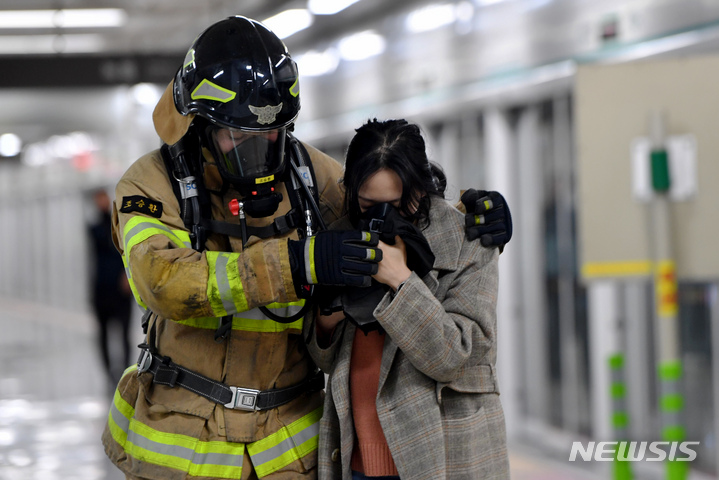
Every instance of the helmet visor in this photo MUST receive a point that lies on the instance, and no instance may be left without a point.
(249, 157)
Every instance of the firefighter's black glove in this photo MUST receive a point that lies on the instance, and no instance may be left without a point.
(488, 218)
(334, 257)
(384, 219)
(360, 303)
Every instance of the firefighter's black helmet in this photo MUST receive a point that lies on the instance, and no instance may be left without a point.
(239, 74)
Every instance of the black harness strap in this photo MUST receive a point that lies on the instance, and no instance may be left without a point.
(280, 226)
(166, 372)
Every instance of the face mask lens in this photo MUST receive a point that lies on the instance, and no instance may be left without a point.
(249, 155)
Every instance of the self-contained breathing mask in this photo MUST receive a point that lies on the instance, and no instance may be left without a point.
(251, 162)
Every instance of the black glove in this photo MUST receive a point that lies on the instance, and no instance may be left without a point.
(359, 303)
(334, 257)
(488, 218)
(385, 220)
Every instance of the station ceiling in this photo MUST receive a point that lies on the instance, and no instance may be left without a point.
(152, 39)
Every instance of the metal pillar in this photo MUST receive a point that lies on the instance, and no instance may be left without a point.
(570, 361)
(528, 215)
(714, 305)
(603, 314)
(666, 303)
(499, 177)
(636, 327)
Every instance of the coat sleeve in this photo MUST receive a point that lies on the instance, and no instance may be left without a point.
(172, 279)
(324, 358)
(441, 338)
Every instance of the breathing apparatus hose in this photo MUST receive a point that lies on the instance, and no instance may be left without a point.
(310, 206)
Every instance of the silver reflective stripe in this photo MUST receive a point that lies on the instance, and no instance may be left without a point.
(144, 226)
(185, 453)
(121, 420)
(286, 445)
(223, 283)
(207, 89)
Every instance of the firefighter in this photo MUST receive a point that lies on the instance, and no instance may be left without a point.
(221, 232)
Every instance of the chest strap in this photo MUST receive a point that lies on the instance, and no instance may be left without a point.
(279, 226)
(166, 372)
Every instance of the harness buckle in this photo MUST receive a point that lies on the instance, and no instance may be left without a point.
(144, 362)
(243, 399)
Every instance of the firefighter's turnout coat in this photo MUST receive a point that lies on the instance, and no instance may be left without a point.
(158, 432)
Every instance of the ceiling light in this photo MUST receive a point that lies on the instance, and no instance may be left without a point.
(146, 94)
(328, 7)
(361, 45)
(486, 3)
(314, 64)
(464, 11)
(10, 145)
(38, 44)
(430, 18)
(289, 22)
(65, 18)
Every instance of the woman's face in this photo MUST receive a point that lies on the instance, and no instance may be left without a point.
(384, 186)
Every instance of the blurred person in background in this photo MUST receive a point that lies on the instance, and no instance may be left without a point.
(412, 391)
(221, 230)
(111, 296)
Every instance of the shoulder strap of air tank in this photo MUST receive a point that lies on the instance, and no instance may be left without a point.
(304, 160)
(170, 167)
(191, 217)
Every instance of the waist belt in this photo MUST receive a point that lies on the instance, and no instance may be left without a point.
(166, 372)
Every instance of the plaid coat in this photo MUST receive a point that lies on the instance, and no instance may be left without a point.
(438, 399)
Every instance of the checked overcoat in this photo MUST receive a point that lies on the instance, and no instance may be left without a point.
(438, 399)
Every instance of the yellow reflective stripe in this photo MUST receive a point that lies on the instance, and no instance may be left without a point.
(295, 88)
(132, 284)
(287, 445)
(254, 320)
(140, 228)
(199, 458)
(224, 285)
(313, 273)
(189, 58)
(211, 91)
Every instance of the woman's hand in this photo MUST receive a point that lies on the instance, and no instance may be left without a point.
(393, 268)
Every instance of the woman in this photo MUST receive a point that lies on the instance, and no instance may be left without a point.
(416, 398)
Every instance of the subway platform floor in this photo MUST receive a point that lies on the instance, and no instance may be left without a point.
(54, 400)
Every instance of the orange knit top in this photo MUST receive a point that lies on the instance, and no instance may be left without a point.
(371, 454)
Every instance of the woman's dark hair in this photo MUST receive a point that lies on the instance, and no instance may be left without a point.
(396, 145)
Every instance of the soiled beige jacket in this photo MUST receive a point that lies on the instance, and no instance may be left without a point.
(155, 431)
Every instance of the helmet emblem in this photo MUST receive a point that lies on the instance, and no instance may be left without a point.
(266, 115)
